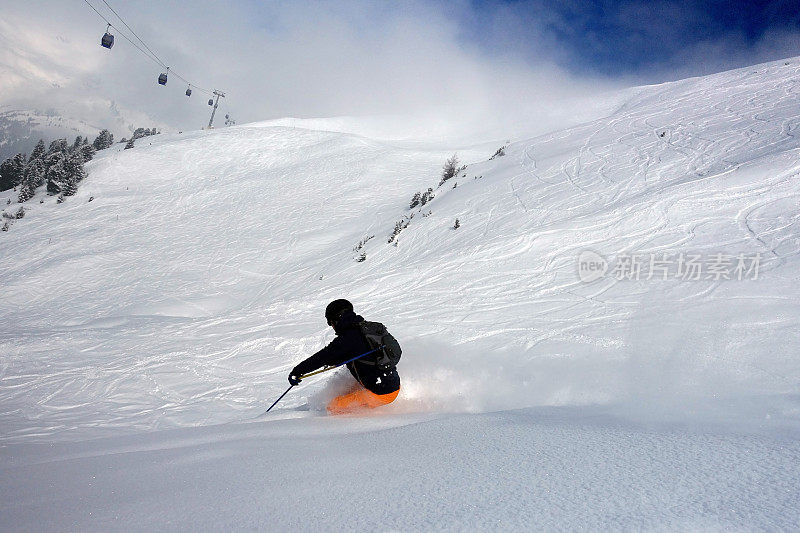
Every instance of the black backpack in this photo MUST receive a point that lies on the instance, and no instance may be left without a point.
(376, 334)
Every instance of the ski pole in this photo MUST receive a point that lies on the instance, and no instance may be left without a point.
(279, 399)
(319, 372)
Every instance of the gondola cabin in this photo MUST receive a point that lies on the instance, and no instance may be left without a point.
(107, 41)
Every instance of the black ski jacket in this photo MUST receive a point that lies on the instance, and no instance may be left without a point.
(349, 343)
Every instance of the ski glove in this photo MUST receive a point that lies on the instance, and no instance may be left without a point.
(294, 379)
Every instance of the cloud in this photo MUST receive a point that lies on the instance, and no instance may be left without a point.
(482, 61)
(273, 59)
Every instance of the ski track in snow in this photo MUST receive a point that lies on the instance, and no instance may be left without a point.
(188, 288)
(182, 295)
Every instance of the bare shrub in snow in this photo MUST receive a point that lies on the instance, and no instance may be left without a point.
(449, 169)
(499, 153)
(400, 226)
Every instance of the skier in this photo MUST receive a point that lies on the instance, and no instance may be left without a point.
(374, 386)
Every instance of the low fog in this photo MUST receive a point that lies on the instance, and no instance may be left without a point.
(441, 63)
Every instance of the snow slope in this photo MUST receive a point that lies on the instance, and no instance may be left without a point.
(184, 292)
(534, 469)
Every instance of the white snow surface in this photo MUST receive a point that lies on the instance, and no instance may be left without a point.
(142, 334)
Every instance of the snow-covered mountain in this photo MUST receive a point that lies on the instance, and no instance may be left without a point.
(20, 130)
(607, 340)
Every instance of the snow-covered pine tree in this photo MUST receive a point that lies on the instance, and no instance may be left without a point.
(56, 174)
(38, 151)
(70, 187)
(27, 188)
(35, 173)
(78, 142)
(59, 145)
(12, 171)
(25, 194)
(130, 144)
(415, 200)
(104, 140)
(87, 151)
(75, 173)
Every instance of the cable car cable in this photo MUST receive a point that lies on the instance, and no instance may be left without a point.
(134, 33)
(150, 55)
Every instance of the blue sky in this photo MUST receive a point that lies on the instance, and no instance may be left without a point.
(654, 38)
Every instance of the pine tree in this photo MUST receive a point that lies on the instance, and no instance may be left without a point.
(59, 145)
(38, 151)
(77, 143)
(415, 200)
(56, 174)
(35, 174)
(53, 158)
(85, 141)
(74, 171)
(26, 192)
(130, 144)
(12, 170)
(70, 187)
(87, 152)
(104, 140)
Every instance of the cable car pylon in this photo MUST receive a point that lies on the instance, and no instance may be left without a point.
(218, 94)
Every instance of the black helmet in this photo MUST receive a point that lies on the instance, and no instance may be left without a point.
(335, 310)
